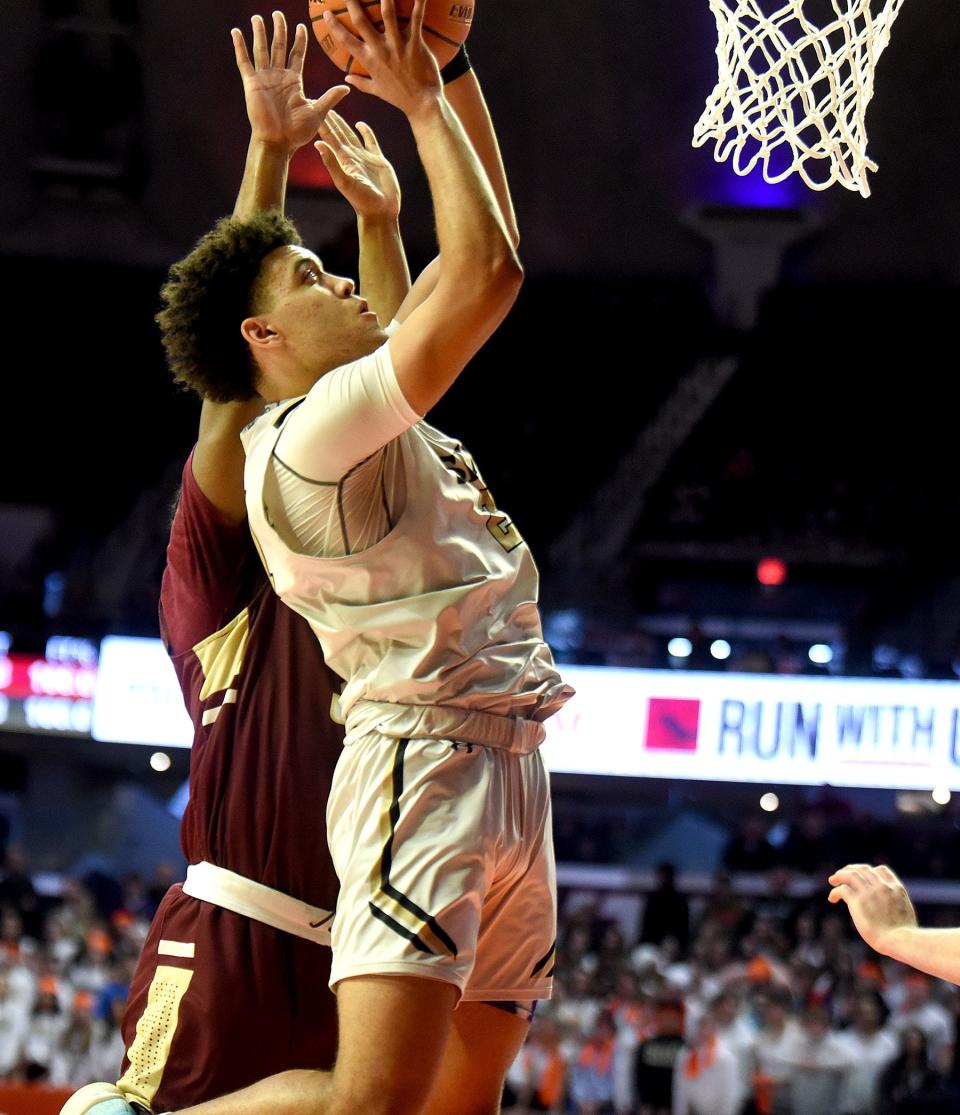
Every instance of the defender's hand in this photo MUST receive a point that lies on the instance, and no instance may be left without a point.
(279, 112)
(358, 168)
(877, 900)
(402, 70)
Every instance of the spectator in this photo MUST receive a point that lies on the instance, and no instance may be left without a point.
(17, 891)
(737, 1034)
(910, 1083)
(537, 1079)
(71, 1058)
(819, 1063)
(667, 913)
(776, 1035)
(591, 1084)
(707, 1080)
(13, 1021)
(656, 1059)
(871, 1050)
(43, 1031)
(918, 1009)
(750, 850)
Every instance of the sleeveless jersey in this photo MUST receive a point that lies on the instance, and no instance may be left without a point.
(440, 614)
(259, 695)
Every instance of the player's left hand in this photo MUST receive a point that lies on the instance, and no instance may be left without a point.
(358, 168)
(279, 112)
(877, 900)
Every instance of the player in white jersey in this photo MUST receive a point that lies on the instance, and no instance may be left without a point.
(379, 530)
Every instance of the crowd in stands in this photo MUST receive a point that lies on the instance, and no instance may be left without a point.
(66, 962)
(714, 1004)
(728, 1007)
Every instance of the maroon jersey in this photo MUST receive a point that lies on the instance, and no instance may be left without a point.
(259, 695)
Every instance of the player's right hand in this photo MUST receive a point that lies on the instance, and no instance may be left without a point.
(403, 72)
(280, 114)
(877, 900)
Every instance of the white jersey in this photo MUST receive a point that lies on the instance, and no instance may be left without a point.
(434, 627)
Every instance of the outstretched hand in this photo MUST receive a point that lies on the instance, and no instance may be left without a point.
(358, 168)
(280, 114)
(402, 70)
(877, 900)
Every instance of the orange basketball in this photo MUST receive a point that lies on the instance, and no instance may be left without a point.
(446, 25)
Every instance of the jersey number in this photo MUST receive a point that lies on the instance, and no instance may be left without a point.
(461, 464)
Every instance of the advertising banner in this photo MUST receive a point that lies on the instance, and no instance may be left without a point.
(874, 732)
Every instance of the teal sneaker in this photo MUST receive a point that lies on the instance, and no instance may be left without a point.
(101, 1099)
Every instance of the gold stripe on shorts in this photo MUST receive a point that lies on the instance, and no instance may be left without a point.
(150, 1050)
(388, 904)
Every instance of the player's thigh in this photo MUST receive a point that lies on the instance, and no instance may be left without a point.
(483, 1043)
(393, 1034)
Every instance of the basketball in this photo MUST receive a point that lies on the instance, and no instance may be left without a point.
(446, 25)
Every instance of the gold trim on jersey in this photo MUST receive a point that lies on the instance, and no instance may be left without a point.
(150, 1049)
(221, 654)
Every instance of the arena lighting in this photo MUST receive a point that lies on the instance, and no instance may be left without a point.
(720, 649)
(770, 803)
(160, 761)
(941, 795)
(820, 654)
(771, 571)
(679, 647)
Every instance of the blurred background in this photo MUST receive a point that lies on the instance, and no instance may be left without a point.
(723, 413)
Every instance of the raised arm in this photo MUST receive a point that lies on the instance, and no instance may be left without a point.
(466, 98)
(480, 273)
(885, 918)
(367, 180)
(282, 119)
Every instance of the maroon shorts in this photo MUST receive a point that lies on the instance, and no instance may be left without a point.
(219, 1001)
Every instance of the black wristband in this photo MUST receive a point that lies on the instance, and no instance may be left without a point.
(456, 67)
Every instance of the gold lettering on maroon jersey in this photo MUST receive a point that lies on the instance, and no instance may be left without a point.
(461, 463)
(221, 655)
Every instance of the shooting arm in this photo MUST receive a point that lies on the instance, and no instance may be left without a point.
(479, 276)
(466, 99)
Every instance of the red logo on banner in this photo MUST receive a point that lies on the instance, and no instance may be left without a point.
(672, 724)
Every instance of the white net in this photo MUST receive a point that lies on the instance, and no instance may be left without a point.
(792, 95)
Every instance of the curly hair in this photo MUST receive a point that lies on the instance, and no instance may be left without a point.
(206, 297)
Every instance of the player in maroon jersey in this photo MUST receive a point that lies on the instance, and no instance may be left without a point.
(232, 982)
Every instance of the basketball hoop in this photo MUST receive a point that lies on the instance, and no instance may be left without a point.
(793, 96)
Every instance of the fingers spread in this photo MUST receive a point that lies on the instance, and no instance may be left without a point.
(244, 65)
(415, 30)
(278, 49)
(299, 49)
(344, 39)
(391, 25)
(261, 55)
(360, 20)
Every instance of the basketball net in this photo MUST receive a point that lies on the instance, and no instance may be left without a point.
(793, 96)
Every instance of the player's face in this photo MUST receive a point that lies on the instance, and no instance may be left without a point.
(323, 322)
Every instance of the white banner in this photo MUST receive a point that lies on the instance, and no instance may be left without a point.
(874, 732)
(137, 698)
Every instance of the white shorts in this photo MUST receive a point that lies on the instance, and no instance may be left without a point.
(445, 856)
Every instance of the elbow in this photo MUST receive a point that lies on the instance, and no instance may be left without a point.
(506, 276)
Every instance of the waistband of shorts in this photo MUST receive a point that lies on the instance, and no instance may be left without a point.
(465, 725)
(244, 896)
